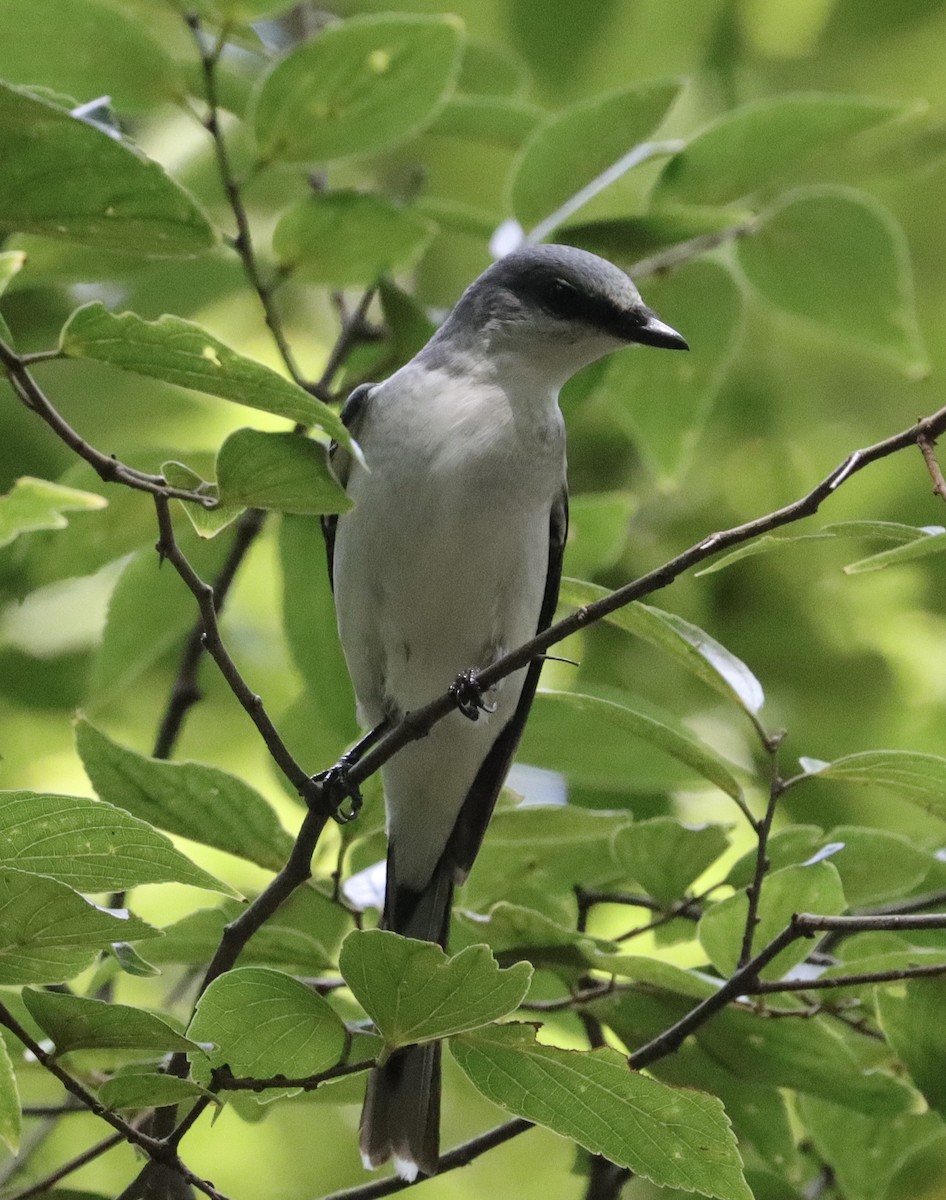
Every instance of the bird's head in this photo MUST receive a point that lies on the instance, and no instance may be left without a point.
(560, 305)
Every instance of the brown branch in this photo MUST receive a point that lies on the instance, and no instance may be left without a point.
(927, 449)
(930, 970)
(763, 829)
(460, 1156)
(156, 1149)
(225, 1082)
(108, 468)
(419, 722)
(746, 979)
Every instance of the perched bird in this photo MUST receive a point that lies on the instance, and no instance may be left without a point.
(451, 556)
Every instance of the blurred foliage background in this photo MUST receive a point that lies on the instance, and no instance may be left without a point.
(803, 349)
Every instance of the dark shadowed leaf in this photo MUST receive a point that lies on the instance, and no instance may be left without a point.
(90, 845)
(189, 799)
(182, 353)
(77, 1023)
(283, 471)
(675, 1138)
(361, 85)
(108, 195)
(414, 992)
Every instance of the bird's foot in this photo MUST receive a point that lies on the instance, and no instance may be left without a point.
(468, 696)
(337, 790)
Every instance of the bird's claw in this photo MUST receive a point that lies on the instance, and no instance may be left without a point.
(337, 788)
(468, 696)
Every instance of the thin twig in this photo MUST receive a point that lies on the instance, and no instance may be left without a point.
(460, 1156)
(928, 971)
(684, 252)
(225, 1082)
(927, 449)
(763, 829)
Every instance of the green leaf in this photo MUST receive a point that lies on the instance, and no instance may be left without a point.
(9, 1103)
(665, 856)
(131, 962)
(876, 865)
(598, 524)
(264, 1023)
(283, 471)
(106, 52)
(415, 993)
(51, 933)
(917, 777)
(207, 522)
(884, 530)
(625, 240)
(188, 799)
(345, 238)
(38, 504)
(819, 251)
(11, 263)
(673, 1137)
(930, 541)
(764, 144)
(573, 147)
(807, 888)
(694, 649)
(182, 353)
(911, 1015)
(489, 119)
(705, 303)
(91, 846)
(785, 847)
(148, 1089)
(108, 195)
(490, 69)
(76, 1023)
(611, 722)
(361, 85)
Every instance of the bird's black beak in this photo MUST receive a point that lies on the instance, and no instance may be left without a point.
(649, 330)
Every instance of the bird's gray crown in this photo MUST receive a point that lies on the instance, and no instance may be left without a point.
(564, 285)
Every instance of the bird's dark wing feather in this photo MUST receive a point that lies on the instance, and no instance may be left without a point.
(352, 416)
(470, 827)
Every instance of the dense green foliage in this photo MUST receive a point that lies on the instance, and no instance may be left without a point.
(183, 275)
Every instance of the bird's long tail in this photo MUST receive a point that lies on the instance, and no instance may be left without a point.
(401, 1116)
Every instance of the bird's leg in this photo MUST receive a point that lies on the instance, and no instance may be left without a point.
(468, 696)
(336, 785)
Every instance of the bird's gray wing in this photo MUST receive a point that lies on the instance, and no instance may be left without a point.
(470, 827)
(352, 416)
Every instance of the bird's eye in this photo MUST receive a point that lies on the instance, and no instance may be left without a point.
(562, 299)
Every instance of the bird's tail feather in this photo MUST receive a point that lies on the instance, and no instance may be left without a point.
(401, 1115)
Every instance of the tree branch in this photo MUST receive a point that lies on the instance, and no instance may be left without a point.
(763, 829)
(927, 449)
(48, 1181)
(225, 1082)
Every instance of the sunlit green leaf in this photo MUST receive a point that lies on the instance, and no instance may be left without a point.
(917, 777)
(38, 504)
(182, 353)
(9, 1103)
(820, 251)
(931, 541)
(264, 1023)
(207, 522)
(665, 856)
(414, 992)
(189, 799)
(346, 237)
(11, 263)
(51, 933)
(675, 1138)
(361, 85)
(90, 845)
(147, 1089)
(77, 1023)
(107, 194)
(283, 471)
